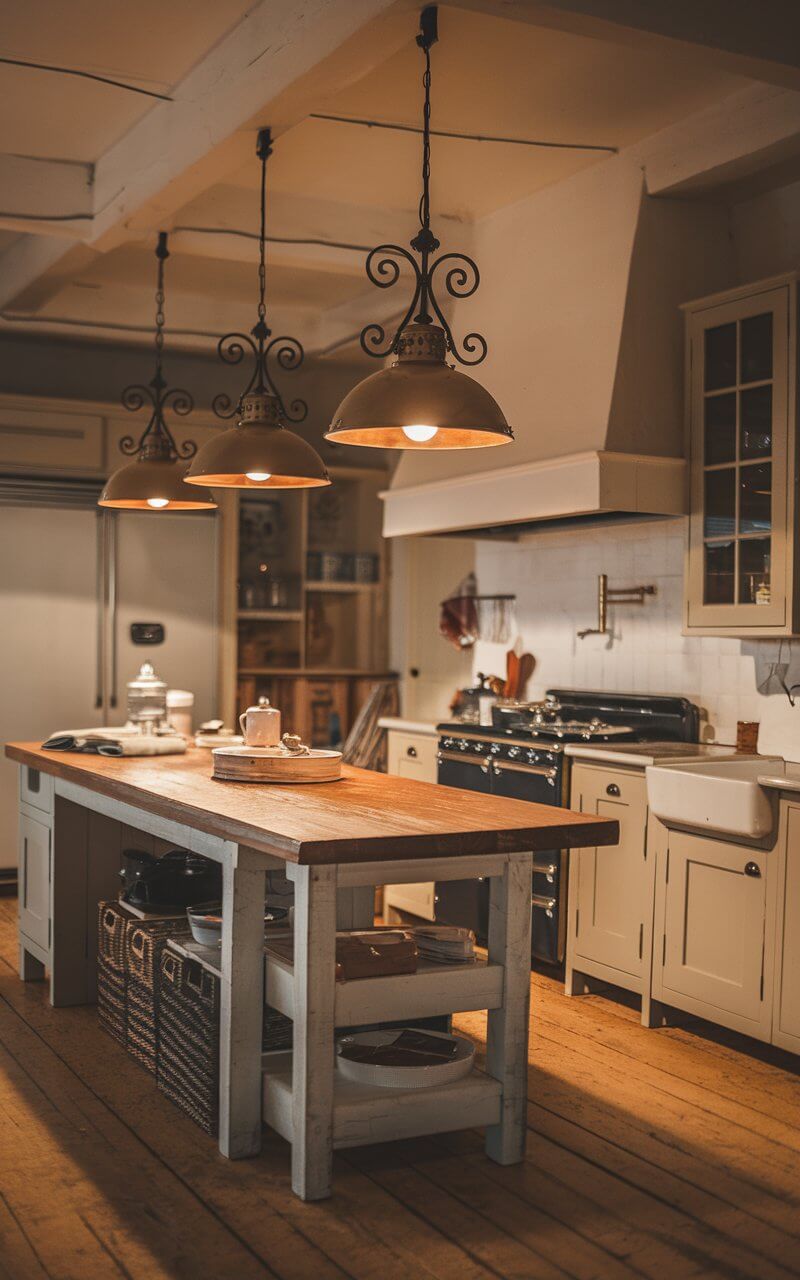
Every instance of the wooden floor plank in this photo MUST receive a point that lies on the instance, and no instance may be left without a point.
(657, 1154)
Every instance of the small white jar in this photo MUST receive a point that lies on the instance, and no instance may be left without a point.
(180, 706)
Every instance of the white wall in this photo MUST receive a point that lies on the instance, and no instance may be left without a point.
(554, 576)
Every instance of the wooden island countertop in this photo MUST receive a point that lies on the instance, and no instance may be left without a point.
(365, 816)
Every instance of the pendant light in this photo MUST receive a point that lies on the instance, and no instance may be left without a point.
(420, 401)
(259, 452)
(154, 482)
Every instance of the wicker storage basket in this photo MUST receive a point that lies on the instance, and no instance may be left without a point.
(188, 1048)
(112, 978)
(145, 940)
(112, 1000)
(188, 1041)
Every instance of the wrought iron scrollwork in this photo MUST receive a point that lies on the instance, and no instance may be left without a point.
(287, 353)
(383, 265)
(157, 441)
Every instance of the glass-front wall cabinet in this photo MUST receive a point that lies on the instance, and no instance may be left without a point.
(741, 366)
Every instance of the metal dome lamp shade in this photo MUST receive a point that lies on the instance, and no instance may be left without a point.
(259, 452)
(420, 401)
(154, 482)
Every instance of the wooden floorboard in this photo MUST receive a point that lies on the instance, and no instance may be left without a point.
(664, 1154)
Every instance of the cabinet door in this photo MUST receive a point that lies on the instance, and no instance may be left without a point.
(786, 1026)
(712, 950)
(739, 564)
(612, 883)
(34, 880)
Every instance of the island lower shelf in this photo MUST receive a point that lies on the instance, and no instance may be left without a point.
(363, 1114)
(433, 990)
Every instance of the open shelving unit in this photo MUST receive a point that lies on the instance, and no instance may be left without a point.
(303, 612)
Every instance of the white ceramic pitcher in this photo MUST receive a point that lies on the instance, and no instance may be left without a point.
(261, 725)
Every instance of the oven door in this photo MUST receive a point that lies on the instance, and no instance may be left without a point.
(464, 769)
(537, 782)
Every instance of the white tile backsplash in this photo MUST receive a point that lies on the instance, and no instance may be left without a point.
(554, 576)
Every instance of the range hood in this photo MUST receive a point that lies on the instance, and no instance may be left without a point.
(587, 362)
(581, 486)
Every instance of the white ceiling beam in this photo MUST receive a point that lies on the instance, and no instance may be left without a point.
(37, 195)
(275, 66)
(270, 70)
(745, 134)
(758, 40)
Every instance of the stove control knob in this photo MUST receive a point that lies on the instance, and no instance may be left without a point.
(513, 752)
(532, 757)
(494, 748)
(477, 747)
(447, 742)
(463, 744)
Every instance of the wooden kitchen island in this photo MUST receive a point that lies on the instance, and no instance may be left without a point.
(334, 841)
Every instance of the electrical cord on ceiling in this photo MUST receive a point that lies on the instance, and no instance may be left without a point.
(253, 235)
(466, 137)
(47, 217)
(15, 317)
(87, 75)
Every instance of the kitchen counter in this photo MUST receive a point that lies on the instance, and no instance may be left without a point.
(334, 842)
(783, 776)
(641, 754)
(365, 816)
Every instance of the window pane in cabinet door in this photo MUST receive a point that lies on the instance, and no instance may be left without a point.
(718, 580)
(720, 503)
(755, 498)
(720, 357)
(755, 360)
(755, 417)
(754, 567)
(720, 428)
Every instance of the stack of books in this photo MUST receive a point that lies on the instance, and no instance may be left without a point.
(445, 943)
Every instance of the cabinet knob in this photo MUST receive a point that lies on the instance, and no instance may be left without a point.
(411, 751)
(752, 869)
(612, 789)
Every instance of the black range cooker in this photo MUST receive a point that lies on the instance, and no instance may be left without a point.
(521, 755)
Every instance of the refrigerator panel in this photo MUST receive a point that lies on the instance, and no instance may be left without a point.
(164, 571)
(48, 637)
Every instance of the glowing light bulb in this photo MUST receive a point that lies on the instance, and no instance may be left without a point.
(157, 503)
(419, 433)
(258, 477)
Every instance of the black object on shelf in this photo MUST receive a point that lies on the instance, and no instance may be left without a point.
(177, 880)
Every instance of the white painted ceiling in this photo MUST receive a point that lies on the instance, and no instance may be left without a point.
(326, 180)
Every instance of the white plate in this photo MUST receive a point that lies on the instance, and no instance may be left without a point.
(405, 1077)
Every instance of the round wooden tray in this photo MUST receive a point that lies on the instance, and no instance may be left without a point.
(264, 764)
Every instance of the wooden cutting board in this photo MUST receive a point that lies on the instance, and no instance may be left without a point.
(245, 764)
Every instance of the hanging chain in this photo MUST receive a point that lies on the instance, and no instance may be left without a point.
(264, 151)
(162, 253)
(425, 202)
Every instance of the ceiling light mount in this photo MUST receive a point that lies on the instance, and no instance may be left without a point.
(155, 480)
(420, 401)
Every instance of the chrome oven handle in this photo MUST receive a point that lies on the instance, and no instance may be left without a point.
(542, 771)
(459, 757)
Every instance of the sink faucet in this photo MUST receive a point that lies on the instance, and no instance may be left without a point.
(613, 595)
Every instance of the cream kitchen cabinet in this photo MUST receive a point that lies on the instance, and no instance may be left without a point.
(741, 570)
(411, 755)
(34, 880)
(786, 1002)
(610, 890)
(715, 931)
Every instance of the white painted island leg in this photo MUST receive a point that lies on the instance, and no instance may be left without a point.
(507, 1037)
(313, 1056)
(241, 1003)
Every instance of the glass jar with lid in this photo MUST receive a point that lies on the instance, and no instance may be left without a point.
(147, 700)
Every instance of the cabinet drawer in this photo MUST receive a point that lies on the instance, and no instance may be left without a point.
(412, 755)
(36, 788)
(34, 880)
